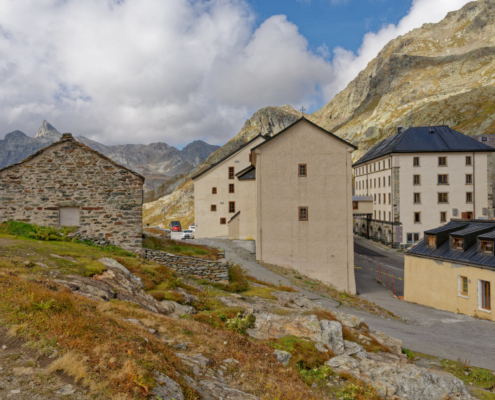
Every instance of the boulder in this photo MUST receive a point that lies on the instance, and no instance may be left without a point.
(167, 389)
(282, 356)
(176, 308)
(344, 362)
(349, 321)
(352, 348)
(395, 345)
(332, 335)
(296, 301)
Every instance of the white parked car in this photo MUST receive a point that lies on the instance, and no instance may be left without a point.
(193, 228)
(187, 234)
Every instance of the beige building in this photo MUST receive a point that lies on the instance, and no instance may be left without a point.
(453, 268)
(422, 177)
(69, 184)
(295, 200)
(218, 196)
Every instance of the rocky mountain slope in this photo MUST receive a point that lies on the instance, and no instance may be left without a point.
(88, 322)
(444, 72)
(158, 162)
(174, 199)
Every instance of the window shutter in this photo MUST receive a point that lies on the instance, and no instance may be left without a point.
(455, 212)
(464, 215)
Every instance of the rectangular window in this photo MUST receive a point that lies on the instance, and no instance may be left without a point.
(302, 170)
(213, 190)
(409, 238)
(417, 217)
(379, 215)
(223, 221)
(416, 179)
(213, 207)
(231, 188)
(443, 197)
(379, 182)
(379, 198)
(416, 237)
(249, 157)
(231, 206)
(389, 198)
(69, 216)
(231, 173)
(443, 179)
(389, 181)
(458, 243)
(469, 197)
(443, 216)
(389, 162)
(463, 285)
(303, 213)
(468, 160)
(417, 198)
(432, 241)
(487, 247)
(355, 205)
(442, 161)
(374, 183)
(375, 198)
(485, 294)
(383, 164)
(383, 181)
(389, 216)
(375, 214)
(469, 179)
(416, 161)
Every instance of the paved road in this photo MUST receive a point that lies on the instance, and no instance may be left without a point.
(370, 259)
(426, 330)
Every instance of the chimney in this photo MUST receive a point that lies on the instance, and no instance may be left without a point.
(432, 130)
(67, 135)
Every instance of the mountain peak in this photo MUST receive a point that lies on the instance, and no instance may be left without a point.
(47, 130)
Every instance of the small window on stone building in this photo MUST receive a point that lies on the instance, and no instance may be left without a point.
(442, 161)
(231, 188)
(355, 205)
(69, 216)
(389, 198)
(443, 216)
(417, 198)
(231, 206)
(417, 180)
(469, 179)
(458, 243)
(389, 181)
(443, 197)
(213, 207)
(249, 157)
(468, 160)
(443, 179)
(417, 217)
(213, 190)
(469, 197)
(303, 213)
(463, 285)
(223, 221)
(231, 173)
(416, 161)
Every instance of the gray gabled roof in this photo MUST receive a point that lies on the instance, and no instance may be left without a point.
(470, 255)
(425, 139)
(247, 173)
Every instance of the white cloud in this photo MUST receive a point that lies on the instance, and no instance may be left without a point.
(139, 71)
(348, 64)
(148, 70)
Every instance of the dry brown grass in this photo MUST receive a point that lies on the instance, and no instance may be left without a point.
(281, 288)
(72, 364)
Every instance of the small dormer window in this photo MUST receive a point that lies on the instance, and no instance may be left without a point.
(432, 241)
(486, 247)
(458, 244)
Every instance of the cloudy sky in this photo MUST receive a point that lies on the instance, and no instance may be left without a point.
(141, 71)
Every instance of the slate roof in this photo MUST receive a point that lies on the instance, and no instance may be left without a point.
(425, 139)
(247, 173)
(226, 157)
(67, 137)
(469, 256)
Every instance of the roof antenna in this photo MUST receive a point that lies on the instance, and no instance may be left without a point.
(302, 111)
(411, 117)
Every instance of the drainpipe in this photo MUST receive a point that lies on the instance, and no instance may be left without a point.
(474, 186)
(392, 202)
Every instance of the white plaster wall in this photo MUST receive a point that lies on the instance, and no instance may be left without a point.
(208, 222)
(322, 247)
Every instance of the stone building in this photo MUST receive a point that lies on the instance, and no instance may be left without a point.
(69, 184)
(292, 194)
(422, 177)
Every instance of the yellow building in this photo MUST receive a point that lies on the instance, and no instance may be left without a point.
(294, 198)
(453, 268)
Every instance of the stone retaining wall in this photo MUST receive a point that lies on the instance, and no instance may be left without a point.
(215, 271)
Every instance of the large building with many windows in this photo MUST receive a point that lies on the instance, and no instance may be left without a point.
(292, 194)
(422, 177)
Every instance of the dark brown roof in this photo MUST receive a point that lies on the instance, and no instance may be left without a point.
(67, 137)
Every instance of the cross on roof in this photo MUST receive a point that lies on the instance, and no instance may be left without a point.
(302, 110)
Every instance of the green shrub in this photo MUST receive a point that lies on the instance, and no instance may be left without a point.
(408, 353)
(239, 323)
(238, 282)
